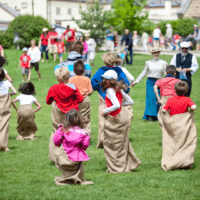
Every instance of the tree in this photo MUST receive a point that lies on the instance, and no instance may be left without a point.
(27, 27)
(127, 14)
(94, 18)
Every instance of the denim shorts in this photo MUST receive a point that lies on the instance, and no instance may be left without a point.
(60, 55)
(155, 38)
(25, 71)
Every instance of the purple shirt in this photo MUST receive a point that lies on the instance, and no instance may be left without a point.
(74, 143)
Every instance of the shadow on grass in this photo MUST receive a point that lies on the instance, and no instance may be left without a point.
(51, 163)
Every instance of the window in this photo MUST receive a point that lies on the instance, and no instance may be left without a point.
(69, 11)
(24, 5)
(57, 11)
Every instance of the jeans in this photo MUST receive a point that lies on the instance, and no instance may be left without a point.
(131, 55)
(43, 48)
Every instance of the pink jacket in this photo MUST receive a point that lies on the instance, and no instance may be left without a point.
(85, 47)
(74, 143)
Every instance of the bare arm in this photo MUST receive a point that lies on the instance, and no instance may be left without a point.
(164, 111)
(13, 103)
(13, 90)
(2, 53)
(20, 63)
(39, 44)
(8, 77)
(156, 92)
(38, 106)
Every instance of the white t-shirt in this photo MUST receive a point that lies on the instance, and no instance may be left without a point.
(4, 87)
(25, 99)
(156, 33)
(4, 70)
(35, 54)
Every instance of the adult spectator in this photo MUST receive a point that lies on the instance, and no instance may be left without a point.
(186, 65)
(156, 37)
(145, 38)
(43, 43)
(127, 37)
(169, 35)
(91, 49)
(75, 53)
(52, 42)
(85, 47)
(135, 40)
(198, 40)
(195, 34)
(1, 51)
(110, 39)
(70, 36)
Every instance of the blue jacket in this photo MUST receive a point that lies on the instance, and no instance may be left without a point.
(128, 40)
(97, 79)
(72, 58)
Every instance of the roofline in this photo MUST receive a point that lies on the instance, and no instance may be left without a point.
(77, 1)
(7, 11)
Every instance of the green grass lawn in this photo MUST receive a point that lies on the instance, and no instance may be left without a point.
(27, 173)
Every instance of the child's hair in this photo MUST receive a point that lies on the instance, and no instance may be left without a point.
(181, 88)
(118, 60)
(109, 59)
(3, 61)
(113, 84)
(73, 118)
(76, 46)
(62, 73)
(170, 69)
(27, 88)
(79, 67)
(2, 74)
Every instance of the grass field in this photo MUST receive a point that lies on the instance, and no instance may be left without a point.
(26, 172)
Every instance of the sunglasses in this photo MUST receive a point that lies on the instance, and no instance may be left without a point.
(185, 48)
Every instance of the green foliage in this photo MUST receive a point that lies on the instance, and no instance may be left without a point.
(27, 27)
(94, 19)
(183, 27)
(6, 40)
(147, 26)
(127, 14)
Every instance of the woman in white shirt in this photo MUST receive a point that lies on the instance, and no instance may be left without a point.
(5, 109)
(35, 55)
(118, 151)
(3, 61)
(25, 114)
(154, 69)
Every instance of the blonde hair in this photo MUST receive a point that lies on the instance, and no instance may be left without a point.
(62, 73)
(33, 41)
(109, 59)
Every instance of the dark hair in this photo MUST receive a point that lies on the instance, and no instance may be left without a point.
(73, 118)
(79, 67)
(118, 60)
(181, 88)
(113, 84)
(82, 37)
(27, 88)
(170, 69)
(3, 61)
(2, 74)
(76, 46)
(68, 26)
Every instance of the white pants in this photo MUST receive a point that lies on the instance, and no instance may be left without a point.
(109, 45)
(145, 49)
(91, 56)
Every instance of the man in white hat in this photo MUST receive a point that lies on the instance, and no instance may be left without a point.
(186, 65)
(169, 35)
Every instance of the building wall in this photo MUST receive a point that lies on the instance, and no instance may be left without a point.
(5, 16)
(193, 9)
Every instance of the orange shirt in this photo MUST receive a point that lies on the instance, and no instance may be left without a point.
(83, 83)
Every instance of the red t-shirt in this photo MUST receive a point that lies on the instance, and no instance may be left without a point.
(177, 37)
(70, 35)
(150, 40)
(53, 41)
(178, 104)
(66, 96)
(109, 103)
(167, 85)
(60, 46)
(25, 60)
(44, 39)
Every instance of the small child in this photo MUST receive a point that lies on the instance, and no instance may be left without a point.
(83, 83)
(25, 114)
(63, 97)
(24, 63)
(122, 55)
(150, 43)
(177, 40)
(61, 49)
(72, 141)
(118, 152)
(179, 104)
(5, 109)
(162, 41)
(3, 61)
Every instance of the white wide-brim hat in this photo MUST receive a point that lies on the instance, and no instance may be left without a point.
(44, 29)
(155, 50)
(185, 44)
(168, 25)
(195, 25)
(110, 74)
(24, 49)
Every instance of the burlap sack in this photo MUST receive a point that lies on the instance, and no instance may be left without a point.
(179, 140)
(85, 109)
(73, 172)
(57, 117)
(101, 123)
(26, 124)
(119, 154)
(162, 102)
(5, 112)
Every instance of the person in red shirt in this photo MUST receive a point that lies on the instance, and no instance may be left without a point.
(24, 63)
(70, 36)
(180, 103)
(52, 42)
(43, 43)
(61, 49)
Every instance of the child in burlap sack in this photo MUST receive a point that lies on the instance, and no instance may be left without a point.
(63, 96)
(25, 114)
(83, 83)
(5, 109)
(72, 141)
(119, 154)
